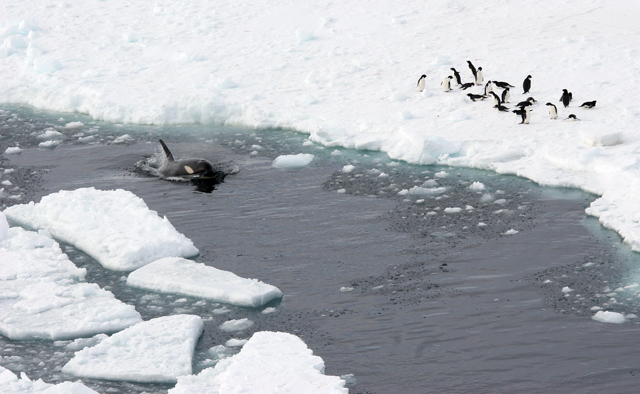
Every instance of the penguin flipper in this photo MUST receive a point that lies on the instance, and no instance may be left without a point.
(167, 152)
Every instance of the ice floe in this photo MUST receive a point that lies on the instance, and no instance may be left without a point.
(154, 351)
(181, 276)
(293, 161)
(12, 384)
(269, 363)
(113, 226)
(43, 296)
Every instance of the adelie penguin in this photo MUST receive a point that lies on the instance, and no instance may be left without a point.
(589, 104)
(528, 102)
(421, 82)
(525, 114)
(476, 97)
(472, 68)
(505, 95)
(571, 118)
(503, 85)
(457, 75)
(446, 84)
(467, 85)
(501, 108)
(496, 99)
(566, 97)
(479, 77)
(526, 85)
(553, 111)
(488, 88)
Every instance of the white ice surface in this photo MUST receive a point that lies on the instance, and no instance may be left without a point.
(269, 363)
(609, 317)
(154, 351)
(11, 384)
(43, 296)
(292, 161)
(343, 72)
(181, 276)
(113, 226)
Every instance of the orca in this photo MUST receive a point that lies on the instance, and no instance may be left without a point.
(187, 168)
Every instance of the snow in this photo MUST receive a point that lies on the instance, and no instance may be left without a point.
(181, 276)
(113, 226)
(43, 294)
(293, 161)
(195, 62)
(609, 317)
(154, 351)
(11, 384)
(236, 325)
(269, 363)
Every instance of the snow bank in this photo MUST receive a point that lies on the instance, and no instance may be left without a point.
(154, 351)
(269, 363)
(181, 276)
(195, 62)
(11, 384)
(42, 295)
(113, 226)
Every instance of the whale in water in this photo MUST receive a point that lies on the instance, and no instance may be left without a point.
(189, 168)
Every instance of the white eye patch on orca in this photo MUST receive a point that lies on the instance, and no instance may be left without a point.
(188, 169)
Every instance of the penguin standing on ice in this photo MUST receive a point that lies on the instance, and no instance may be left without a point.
(421, 82)
(566, 97)
(589, 104)
(457, 75)
(496, 99)
(446, 84)
(525, 114)
(553, 111)
(505, 95)
(479, 77)
(526, 85)
(472, 68)
(488, 88)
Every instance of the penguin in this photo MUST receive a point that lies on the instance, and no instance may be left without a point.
(446, 84)
(571, 118)
(533, 101)
(479, 77)
(476, 97)
(501, 108)
(457, 75)
(503, 85)
(496, 99)
(527, 115)
(566, 97)
(526, 85)
(589, 104)
(421, 82)
(472, 68)
(467, 85)
(528, 102)
(553, 111)
(505, 95)
(488, 88)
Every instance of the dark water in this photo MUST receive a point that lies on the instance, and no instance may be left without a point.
(391, 289)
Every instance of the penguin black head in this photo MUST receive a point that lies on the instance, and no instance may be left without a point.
(550, 104)
(532, 100)
(479, 68)
(529, 76)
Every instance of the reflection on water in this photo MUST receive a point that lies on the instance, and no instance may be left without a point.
(409, 292)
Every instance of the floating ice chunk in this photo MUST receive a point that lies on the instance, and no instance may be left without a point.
(346, 289)
(424, 191)
(236, 325)
(122, 139)
(453, 210)
(235, 342)
(269, 363)
(441, 174)
(50, 134)
(113, 226)
(46, 65)
(609, 317)
(501, 201)
(567, 290)
(341, 191)
(336, 153)
(307, 143)
(49, 144)
(348, 168)
(11, 384)
(481, 224)
(477, 186)
(268, 310)
(73, 125)
(486, 198)
(154, 351)
(181, 276)
(349, 378)
(293, 161)
(511, 232)
(43, 296)
(14, 150)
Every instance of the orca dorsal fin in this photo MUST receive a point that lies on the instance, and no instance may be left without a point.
(167, 152)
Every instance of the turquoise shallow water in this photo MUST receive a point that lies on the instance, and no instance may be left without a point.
(384, 286)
